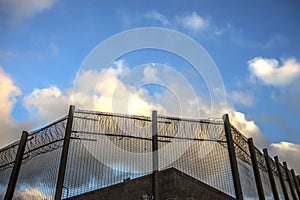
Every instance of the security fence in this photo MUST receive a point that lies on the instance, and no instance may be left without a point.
(89, 150)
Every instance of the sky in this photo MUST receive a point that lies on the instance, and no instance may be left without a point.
(255, 46)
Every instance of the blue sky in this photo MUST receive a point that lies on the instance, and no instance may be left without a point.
(255, 45)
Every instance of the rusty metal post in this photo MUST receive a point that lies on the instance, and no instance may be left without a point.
(232, 158)
(64, 155)
(271, 175)
(259, 186)
(16, 169)
(155, 184)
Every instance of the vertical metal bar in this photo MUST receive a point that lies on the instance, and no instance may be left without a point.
(64, 155)
(296, 183)
(298, 179)
(259, 186)
(232, 158)
(16, 169)
(271, 175)
(289, 180)
(286, 196)
(154, 156)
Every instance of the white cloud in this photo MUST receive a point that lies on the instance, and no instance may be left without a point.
(193, 22)
(20, 10)
(158, 16)
(288, 152)
(248, 128)
(113, 95)
(242, 97)
(8, 94)
(32, 194)
(271, 73)
(105, 91)
(47, 104)
(150, 73)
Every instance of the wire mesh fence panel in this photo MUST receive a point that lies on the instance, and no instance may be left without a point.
(277, 179)
(286, 181)
(106, 149)
(5, 174)
(279, 187)
(37, 178)
(293, 184)
(197, 148)
(38, 172)
(288, 189)
(7, 158)
(263, 170)
(244, 165)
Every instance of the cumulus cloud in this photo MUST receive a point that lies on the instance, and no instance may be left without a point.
(8, 94)
(270, 72)
(284, 75)
(193, 22)
(107, 90)
(46, 104)
(32, 194)
(249, 128)
(115, 95)
(20, 10)
(150, 73)
(288, 152)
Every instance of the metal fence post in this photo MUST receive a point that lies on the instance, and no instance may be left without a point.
(259, 186)
(64, 155)
(286, 196)
(232, 158)
(296, 183)
(289, 180)
(155, 156)
(271, 175)
(16, 169)
(298, 179)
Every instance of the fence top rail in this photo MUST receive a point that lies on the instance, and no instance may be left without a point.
(218, 121)
(137, 117)
(140, 117)
(109, 114)
(47, 126)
